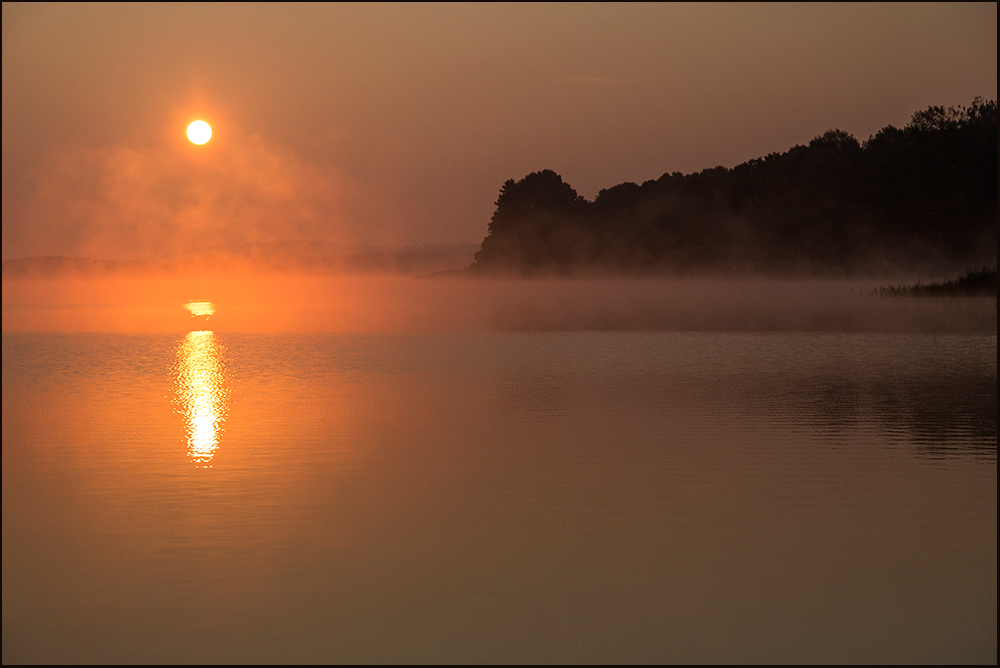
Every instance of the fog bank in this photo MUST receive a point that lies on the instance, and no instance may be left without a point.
(271, 302)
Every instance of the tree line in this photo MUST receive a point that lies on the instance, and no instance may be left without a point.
(926, 193)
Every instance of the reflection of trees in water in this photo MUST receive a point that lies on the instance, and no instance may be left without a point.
(934, 396)
(945, 416)
(939, 415)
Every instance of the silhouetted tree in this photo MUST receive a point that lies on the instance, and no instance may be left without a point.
(924, 192)
(536, 224)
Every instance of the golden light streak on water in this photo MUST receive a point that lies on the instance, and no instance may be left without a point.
(203, 309)
(202, 392)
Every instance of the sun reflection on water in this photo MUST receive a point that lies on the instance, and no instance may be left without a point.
(201, 308)
(202, 393)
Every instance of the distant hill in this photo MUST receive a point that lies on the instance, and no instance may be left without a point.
(52, 266)
(291, 256)
(917, 197)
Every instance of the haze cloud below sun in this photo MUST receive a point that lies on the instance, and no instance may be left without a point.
(126, 202)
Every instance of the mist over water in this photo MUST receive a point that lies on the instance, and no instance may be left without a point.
(250, 301)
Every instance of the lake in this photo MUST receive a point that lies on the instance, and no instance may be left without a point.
(505, 496)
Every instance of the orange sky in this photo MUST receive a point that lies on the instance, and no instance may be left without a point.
(397, 124)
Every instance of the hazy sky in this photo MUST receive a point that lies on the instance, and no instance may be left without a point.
(398, 124)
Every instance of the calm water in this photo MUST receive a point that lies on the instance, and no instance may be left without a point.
(500, 497)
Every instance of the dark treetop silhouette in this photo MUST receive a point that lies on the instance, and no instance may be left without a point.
(924, 195)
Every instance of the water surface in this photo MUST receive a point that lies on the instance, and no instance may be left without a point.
(615, 496)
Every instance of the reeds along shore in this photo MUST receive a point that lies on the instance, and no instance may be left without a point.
(976, 282)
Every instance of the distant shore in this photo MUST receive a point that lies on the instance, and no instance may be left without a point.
(976, 282)
(921, 199)
(308, 257)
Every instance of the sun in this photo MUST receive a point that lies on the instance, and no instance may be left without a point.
(199, 132)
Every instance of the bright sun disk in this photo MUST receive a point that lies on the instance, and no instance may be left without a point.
(199, 132)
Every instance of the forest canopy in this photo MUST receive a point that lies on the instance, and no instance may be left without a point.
(921, 196)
